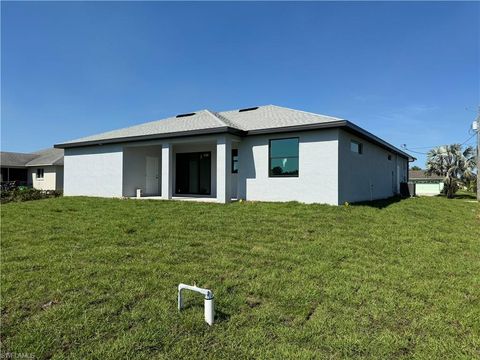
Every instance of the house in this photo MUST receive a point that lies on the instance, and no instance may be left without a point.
(42, 169)
(266, 153)
(426, 185)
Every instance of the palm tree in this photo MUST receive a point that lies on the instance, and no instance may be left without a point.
(452, 163)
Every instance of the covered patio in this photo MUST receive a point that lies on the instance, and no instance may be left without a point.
(187, 169)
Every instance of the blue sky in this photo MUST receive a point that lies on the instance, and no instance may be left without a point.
(408, 72)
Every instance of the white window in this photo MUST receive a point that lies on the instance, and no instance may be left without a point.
(39, 173)
(356, 147)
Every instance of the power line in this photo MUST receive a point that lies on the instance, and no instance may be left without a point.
(415, 152)
(468, 139)
(424, 147)
(404, 146)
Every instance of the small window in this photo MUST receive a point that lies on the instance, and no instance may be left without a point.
(234, 161)
(356, 147)
(283, 157)
(389, 157)
(39, 173)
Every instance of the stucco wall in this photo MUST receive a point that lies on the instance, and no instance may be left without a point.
(94, 171)
(370, 175)
(318, 171)
(135, 168)
(428, 189)
(119, 169)
(328, 171)
(50, 177)
(59, 177)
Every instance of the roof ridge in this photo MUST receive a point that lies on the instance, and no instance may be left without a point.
(19, 153)
(47, 158)
(226, 121)
(216, 117)
(237, 109)
(306, 112)
(44, 151)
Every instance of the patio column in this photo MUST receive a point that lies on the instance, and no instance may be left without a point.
(224, 169)
(167, 166)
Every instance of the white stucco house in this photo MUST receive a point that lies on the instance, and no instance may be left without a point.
(426, 185)
(42, 169)
(266, 153)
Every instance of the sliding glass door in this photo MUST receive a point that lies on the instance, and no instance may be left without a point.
(193, 173)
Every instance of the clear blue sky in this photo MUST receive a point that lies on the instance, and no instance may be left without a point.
(404, 71)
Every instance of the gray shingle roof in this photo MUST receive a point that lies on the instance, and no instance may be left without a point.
(422, 174)
(12, 159)
(272, 116)
(51, 156)
(202, 119)
(264, 117)
(269, 118)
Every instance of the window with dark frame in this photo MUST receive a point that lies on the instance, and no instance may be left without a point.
(356, 147)
(39, 173)
(234, 161)
(389, 157)
(283, 157)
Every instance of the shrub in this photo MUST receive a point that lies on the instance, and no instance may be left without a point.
(27, 194)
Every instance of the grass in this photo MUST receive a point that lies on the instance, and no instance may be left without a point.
(96, 278)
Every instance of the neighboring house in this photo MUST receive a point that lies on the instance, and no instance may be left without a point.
(42, 169)
(266, 153)
(428, 185)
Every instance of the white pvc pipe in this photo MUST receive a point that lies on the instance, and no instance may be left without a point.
(209, 309)
(209, 306)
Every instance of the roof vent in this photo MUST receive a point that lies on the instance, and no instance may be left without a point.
(184, 115)
(248, 109)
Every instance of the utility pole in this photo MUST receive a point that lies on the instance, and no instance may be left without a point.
(477, 128)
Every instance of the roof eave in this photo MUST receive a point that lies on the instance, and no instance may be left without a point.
(349, 126)
(16, 166)
(219, 130)
(326, 125)
(227, 129)
(434, 179)
(357, 130)
(43, 164)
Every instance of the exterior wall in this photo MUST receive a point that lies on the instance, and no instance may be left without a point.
(59, 178)
(119, 169)
(428, 189)
(328, 171)
(49, 181)
(318, 169)
(370, 175)
(135, 168)
(94, 171)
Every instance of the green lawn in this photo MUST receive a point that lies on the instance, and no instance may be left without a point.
(96, 278)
